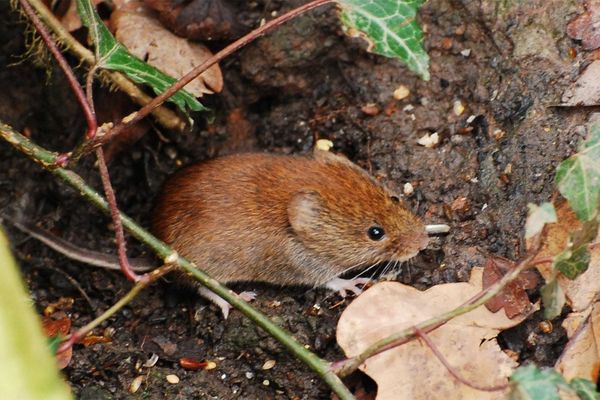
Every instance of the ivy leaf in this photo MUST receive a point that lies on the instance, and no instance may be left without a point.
(573, 263)
(112, 55)
(553, 299)
(578, 177)
(585, 389)
(533, 383)
(538, 217)
(391, 29)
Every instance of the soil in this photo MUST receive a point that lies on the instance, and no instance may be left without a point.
(507, 63)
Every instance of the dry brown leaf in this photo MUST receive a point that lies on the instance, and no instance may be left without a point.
(70, 20)
(586, 90)
(581, 291)
(581, 356)
(513, 298)
(59, 327)
(135, 26)
(585, 26)
(411, 371)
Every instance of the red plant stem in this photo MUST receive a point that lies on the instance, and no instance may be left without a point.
(116, 217)
(451, 369)
(90, 116)
(187, 78)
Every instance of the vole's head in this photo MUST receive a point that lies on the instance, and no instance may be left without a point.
(345, 216)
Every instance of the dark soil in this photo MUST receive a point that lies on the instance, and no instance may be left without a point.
(304, 82)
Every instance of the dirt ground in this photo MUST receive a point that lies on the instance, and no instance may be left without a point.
(507, 62)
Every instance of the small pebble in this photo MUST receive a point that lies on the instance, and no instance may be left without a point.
(465, 52)
(408, 189)
(458, 108)
(266, 382)
(249, 375)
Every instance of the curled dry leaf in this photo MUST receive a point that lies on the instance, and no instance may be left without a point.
(513, 298)
(137, 29)
(586, 27)
(586, 90)
(411, 371)
(199, 19)
(579, 292)
(59, 328)
(581, 356)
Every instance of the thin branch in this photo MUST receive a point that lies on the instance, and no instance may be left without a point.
(452, 370)
(187, 78)
(163, 115)
(346, 367)
(123, 301)
(47, 160)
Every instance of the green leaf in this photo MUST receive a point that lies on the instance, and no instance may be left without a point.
(27, 369)
(391, 29)
(112, 55)
(585, 389)
(538, 217)
(578, 177)
(573, 263)
(553, 299)
(533, 383)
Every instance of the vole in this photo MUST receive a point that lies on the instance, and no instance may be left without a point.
(286, 220)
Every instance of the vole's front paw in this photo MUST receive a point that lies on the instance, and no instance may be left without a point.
(221, 303)
(342, 285)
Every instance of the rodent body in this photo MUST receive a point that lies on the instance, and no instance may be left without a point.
(285, 220)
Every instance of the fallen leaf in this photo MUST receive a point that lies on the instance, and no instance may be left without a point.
(94, 339)
(411, 371)
(538, 217)
(70, 20)
(580, 292)
(60, 328)
(581, 356)
(513, 298)
(585, 27)
(146, 38)
(586, 89)
(199, 19)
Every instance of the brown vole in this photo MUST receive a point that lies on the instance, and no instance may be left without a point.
(287, 220)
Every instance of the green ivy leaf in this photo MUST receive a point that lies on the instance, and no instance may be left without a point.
(112, 55)
(533, 383)
(573, 263)
(578, 177)
(391, 29)
(585, 389)
(538, 217)
(553, 299)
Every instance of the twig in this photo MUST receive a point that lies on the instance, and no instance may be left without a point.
(47, 160)
(187, 78)
(163, 115)
(346, 367)
(452, 370)
(123, 301)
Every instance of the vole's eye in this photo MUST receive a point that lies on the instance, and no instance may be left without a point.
(376, 233)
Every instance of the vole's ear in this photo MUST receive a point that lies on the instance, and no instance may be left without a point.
(328, 157)
(304, 211)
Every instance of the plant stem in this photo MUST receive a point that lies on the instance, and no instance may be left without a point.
(123, 301)
(346, 367)
(164, 116)
(187, 78)
(47, 160)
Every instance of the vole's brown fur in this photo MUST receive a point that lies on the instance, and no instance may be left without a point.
(283, 219)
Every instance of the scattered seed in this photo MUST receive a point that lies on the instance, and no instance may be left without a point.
(136, 383)
(266, 382)
(172, 379)
(401, 92)
(546, 326)
(151, 362)
(428, 140)
(324, 144)
(408, 189)
(458, 108)
(210, 365)
(269, 364)
(471, 119)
